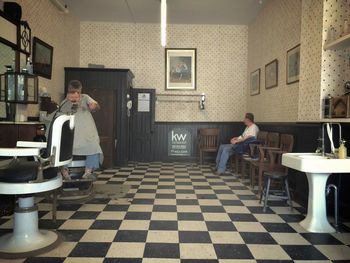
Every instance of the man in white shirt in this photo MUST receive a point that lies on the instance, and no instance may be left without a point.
(238, 144)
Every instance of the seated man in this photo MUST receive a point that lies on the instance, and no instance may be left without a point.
(238, 144)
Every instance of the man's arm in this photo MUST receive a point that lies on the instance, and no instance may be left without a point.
(93, 104)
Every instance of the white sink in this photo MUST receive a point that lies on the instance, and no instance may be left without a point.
(315, 163)
(317, 169)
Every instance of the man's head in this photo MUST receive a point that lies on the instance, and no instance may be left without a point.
(248, 119)
(74, 90)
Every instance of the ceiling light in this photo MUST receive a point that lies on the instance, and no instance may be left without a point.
(60, 6)
(163, 15)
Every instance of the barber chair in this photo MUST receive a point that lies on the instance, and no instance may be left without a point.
(25, 178)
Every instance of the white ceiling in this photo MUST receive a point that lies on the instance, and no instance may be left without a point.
(238, 12)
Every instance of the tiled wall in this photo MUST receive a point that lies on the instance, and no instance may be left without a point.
(221, 63)
(311, 60)
(60, 31)
(275, 30)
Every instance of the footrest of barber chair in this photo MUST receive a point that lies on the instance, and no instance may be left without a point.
(81, 184)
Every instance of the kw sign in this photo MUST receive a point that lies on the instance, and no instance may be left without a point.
(179, 142)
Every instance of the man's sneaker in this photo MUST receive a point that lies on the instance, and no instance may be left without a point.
(89, 175)
(65, 174)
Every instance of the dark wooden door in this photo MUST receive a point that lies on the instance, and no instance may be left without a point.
(142, 125)
(105, 121)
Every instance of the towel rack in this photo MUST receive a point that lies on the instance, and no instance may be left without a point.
(168, 98)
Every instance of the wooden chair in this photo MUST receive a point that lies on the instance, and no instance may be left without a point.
(277, 174)
(272, 142)
(253, 147)
(263, 164)
(208, 141)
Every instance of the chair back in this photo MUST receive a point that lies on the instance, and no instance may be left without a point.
(273, 139)
(60, 140)
(287, 142)
(262, 137)
(209, 138)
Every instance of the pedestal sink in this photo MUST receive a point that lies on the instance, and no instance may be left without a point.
(317, 169)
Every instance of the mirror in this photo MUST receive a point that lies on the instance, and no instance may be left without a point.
(7, 57)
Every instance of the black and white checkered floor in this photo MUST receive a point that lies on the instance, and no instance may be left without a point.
(176, 212)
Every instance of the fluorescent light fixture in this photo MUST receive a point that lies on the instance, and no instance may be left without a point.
(60, 6)
(163, 22)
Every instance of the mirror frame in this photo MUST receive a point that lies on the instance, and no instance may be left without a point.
(14, 22)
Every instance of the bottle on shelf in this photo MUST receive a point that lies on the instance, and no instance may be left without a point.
(342, 151)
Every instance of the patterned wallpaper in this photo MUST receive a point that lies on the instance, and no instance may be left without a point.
(221, 63)
(275, 30)
(325, 71)
(335, 63)
(311, 60)
(60, 31)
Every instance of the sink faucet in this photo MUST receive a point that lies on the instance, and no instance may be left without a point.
(323, 150)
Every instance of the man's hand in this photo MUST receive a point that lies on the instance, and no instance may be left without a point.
(234, 140)
(94, 106)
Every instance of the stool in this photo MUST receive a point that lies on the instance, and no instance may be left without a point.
(283, 194)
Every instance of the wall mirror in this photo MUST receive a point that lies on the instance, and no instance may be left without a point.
(8, 56)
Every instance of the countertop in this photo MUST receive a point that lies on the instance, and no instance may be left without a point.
(21, 122)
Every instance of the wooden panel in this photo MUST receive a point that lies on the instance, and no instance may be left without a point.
(26, 132)
(227, 131)
(8, 135)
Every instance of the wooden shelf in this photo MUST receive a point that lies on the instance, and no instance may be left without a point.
(339, 44)
(340, 120)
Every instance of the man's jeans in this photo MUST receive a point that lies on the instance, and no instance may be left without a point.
(227, 150)
(224, 153)
(92, 161)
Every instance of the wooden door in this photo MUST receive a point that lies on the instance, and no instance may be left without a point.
(105, 121)
(142, 125)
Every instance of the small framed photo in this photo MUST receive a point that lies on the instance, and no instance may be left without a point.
(255, 82)
(293, 64)
(271, 74)
(180, 68)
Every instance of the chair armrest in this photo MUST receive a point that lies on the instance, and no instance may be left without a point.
(19, 152)
(277, 151)
(29, 144)
(269, 148)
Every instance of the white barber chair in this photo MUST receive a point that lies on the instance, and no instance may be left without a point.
(25, 178)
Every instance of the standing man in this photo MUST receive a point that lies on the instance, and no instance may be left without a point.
(86, 139)
(237, 144)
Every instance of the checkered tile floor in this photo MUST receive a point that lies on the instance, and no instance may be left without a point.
(177, 212)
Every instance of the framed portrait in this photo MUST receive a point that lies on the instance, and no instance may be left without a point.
(180, 68)
(42, 58)
(255, 82)
(271, 74)
(293, 64)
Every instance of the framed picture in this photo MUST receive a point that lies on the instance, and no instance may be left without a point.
(180, 68)
(293, 64)
(42, 58)
(255, 82)
(271, 74)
